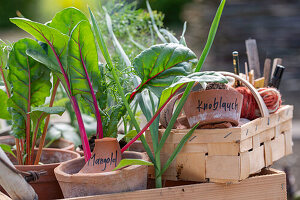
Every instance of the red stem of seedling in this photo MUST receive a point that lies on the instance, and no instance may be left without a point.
(97, 112)
(85, 142)
(150, 122)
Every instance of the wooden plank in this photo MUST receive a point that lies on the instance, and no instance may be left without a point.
(167, 147)
(278, 147)
(194, 147)
(269, 186)
(288, 142)
(223, 181)
(285, 113)
(246, 144)
(268, 153)
(256, 141)
(223, 167)
(257, 159)
(245, 165)
(207, 135)
(190, 166)
(223, 149)
(266, 135)
(286, 126)
(267, 71)
(253, 59)
(252, 128)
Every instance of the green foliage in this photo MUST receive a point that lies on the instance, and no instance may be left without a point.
(82, 55)
(130, 25)
(38, 114)
(66, 20)
(199, 77)
(30, 82)
(159, 65)
(6, 148)
(5, 48)
(48, 35)
(4, 114)
(128, 162)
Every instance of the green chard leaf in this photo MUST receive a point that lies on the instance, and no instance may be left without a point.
(82, 64)
(30, 82)
(38, 115)
(82, 54)
(160, 64)
(4, 114)
(67, 19)
(5, 48)
(127, 162)
(54, 38)
(6, 148)
(200, 77)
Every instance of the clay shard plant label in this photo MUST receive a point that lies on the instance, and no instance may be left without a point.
(102, 163)
(105, 157)
(213, 106)
(217, 104)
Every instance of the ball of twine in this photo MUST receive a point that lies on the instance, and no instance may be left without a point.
(250, 110)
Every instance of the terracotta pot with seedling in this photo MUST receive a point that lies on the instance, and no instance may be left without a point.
(215, 105)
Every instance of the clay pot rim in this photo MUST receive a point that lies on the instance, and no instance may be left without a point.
(106, 139)
(229, 89)
(77, 155)
(79, 177)
(70, 144)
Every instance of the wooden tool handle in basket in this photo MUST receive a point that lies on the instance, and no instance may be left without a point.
(259, 100)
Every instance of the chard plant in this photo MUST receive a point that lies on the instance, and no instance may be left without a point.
(29, 86)
(156, 68)
(68, 49)
(70, 53)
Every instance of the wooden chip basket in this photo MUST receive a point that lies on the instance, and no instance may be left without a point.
(232, 154)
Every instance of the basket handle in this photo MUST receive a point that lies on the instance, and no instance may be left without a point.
(259, 100)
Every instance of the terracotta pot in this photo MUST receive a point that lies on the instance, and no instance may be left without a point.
(137, 146)
(47, 186)
(79, 151)
(105, 157)
(61, 143)
(213, 106)
(74, 184)
(8, 139)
